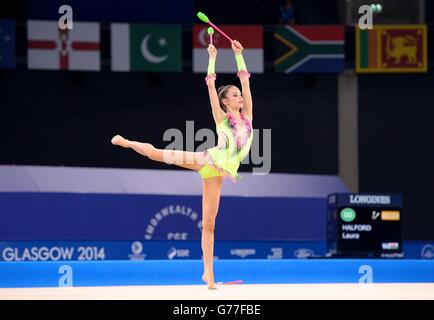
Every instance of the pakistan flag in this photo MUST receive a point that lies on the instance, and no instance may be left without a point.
(144, 47)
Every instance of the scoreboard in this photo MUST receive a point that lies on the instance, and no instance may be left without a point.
(364, 225)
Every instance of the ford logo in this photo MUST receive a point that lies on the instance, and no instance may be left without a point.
(303, 253)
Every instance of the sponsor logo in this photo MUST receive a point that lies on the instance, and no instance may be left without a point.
(369, 199)
(177, 253)
(392, 255)
(276, 253)
(348, 214)
(303, 253)
(243, 252)
(136, 249)
(390, 245)
(427, 251)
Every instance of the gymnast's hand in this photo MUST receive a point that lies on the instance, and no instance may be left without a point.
(237, 47)
(212, 51)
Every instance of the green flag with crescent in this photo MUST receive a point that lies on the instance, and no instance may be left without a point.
(148, 48)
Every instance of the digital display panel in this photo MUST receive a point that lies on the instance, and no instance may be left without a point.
(366, 229)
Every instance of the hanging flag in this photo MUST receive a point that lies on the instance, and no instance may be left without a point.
(141, 47)
(309, 49)
(52, 48)
(392, 48)
(250, 36)
(7, 44)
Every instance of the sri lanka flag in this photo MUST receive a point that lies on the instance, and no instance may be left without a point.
(309, 49)
(250, 36)
(392, 48)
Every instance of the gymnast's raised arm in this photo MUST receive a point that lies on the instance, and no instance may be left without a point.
(217, 112)
(243, 75)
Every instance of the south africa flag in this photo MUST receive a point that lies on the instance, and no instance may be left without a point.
(309, 49)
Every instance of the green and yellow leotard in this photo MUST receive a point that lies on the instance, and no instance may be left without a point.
(235, 140)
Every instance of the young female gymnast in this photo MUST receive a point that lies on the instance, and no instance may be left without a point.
(232, 113)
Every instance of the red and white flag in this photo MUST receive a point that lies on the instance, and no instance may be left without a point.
(49, 47)
(250, 36)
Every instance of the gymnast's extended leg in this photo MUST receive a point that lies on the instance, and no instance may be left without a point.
(185, 159)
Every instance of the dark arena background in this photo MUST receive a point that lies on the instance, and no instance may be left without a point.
(335, 199)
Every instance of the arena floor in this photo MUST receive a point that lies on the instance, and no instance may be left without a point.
(370, 291)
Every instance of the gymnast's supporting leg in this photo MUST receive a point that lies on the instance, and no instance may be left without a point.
(211, 188)
(185, 159)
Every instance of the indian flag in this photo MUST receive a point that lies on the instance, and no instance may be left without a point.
(250, 36)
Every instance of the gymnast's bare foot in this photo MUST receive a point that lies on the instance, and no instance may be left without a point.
(211, 285)
(118, 140)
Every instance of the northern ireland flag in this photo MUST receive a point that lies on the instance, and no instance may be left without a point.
(250, 36)
(52, 48)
